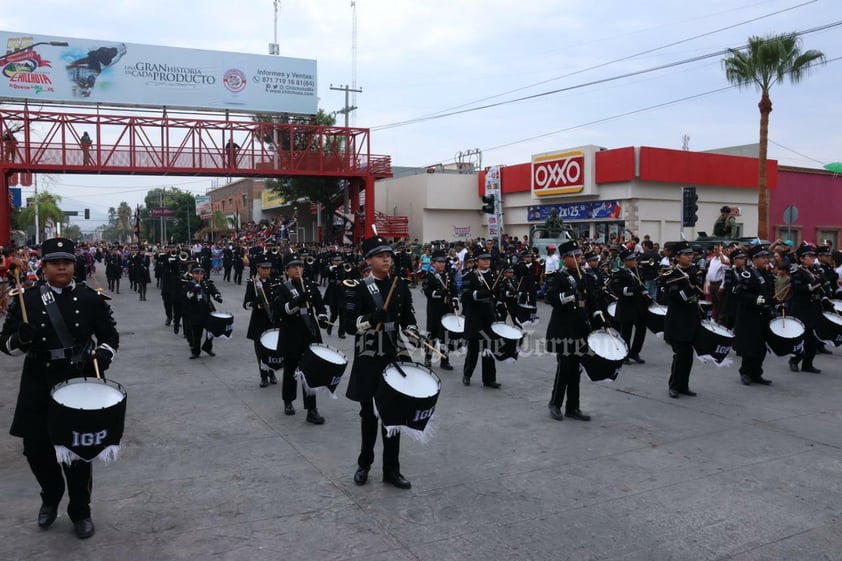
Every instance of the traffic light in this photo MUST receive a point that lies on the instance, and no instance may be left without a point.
(87, 214)
(689, 208)
(488, 204)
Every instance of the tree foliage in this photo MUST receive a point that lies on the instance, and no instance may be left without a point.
(768, 61)
(181, 227)
(47, 209)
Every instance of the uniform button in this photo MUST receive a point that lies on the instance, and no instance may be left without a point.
(44, 312)
(76, 324)
(43, 338)
(75, 299)
(77, 311)
(47, 365)
(43, 325)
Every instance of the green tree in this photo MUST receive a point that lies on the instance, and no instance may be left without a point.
(765, 62)
(183, 204)
(72, 231)
(47, 209)
(124, 225)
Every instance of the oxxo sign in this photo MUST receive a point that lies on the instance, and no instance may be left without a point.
(563, 173)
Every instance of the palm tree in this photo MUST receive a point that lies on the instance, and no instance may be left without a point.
(766, 62)
(124, 227)
(47, 209)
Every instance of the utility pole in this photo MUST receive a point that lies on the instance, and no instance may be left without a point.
(37, 217)
(345, 111)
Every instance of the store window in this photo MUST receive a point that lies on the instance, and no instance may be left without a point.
(829, 234)
(609, 232)
(789, 233)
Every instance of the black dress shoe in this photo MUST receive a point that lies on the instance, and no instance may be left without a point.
(342, 336)
(578, 415)
(314, 417)
(466, 381)
(84, 528)
(397, 480)
(745, 379)
(673, 393)
(492, 385)
(762, 381)
(264, 383)
(168, 322)
(47, 515)
(793, 365)
(638, 360)
(192, 357)
(555, 412)
(288, 408)
(445, 366)
(272, 379)
(175, 329)
(691, 393)
(811, 369)
(361, 476)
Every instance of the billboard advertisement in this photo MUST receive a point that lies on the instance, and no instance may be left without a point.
(590, 210)
(68, 70)
(204, 208)
(565, 172)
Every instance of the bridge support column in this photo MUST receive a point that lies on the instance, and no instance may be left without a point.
(5, 209)
(369, 206)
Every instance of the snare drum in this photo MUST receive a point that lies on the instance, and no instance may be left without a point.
(454, 326)
(829, 328)
(713, 342)
(837, 305)
(407, 404)
(655, 316)
(612, 310)
(605, 356)
(220, 324)
(321, 366)
(785, 335)
(85, 419)
(525, 314)
(269, 349)
(505, 341)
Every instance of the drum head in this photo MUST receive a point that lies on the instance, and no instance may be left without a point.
(328, 354)
(506, 331)
(837, 305)
(221, 315)
(419, 381)
(720, 330)
(89, 395)
(833, 317)
(787, 328)
(453, 323)
(607, 345)
(612, 309)
(658, 309)
(269, 339)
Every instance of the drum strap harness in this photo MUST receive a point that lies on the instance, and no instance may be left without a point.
(60, 327)
(307, 319)
(377, 296)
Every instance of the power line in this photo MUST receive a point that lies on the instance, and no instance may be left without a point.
(586, 84)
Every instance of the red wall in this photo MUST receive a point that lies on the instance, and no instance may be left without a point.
(816, 193)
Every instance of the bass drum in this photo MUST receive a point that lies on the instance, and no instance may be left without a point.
(829, 328)
(656, 314)
(713, 342)
(220, 324)
(405, 400)
(86, 418)
(506, 340)
(321, 367)
(605, 356)
(269, 349)
(785, 336)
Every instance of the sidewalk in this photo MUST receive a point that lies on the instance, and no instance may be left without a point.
(212, 469)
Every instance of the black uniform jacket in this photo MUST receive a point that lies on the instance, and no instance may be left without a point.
(298, 325)
(682, 298)
(87, 315)
(573, 307)
(440, 290)
(260, 306)
(631, 304)
(752, 316)
(479, 312)
(807, 294)
(196, 301)
(374, 349)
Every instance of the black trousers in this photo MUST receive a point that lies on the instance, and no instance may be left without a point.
(193, 334)
(166, 298)
(391, 445)
(226, 273)
(810, 348)
(635, 344)
(336, 313)
(752, 366)
(682, 363)
(489, 369)
(567, 377)
(238, 276)
(289, 385)
(41, 457)
(141, 289)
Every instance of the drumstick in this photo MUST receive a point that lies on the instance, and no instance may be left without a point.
(96, 366)
(388, 301)
(20, 297)
(426, 344)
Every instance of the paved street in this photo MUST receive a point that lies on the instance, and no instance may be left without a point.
(212, 469)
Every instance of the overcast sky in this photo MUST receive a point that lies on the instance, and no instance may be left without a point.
(416, 59)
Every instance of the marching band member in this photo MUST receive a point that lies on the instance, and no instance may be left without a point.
(807, 294)
(730, 284)
(81, 314)
(682, 319)
(258, 299)
(335, 294)
(576, 308)
(376, 327)
(633, 301)
(506, 296)
(440, 290)
(479, 310)
(755, 308)
(301, 313)
(197, 307)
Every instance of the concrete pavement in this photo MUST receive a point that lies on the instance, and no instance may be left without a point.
(212, 469)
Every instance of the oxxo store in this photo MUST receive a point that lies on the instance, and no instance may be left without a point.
(601, 193)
